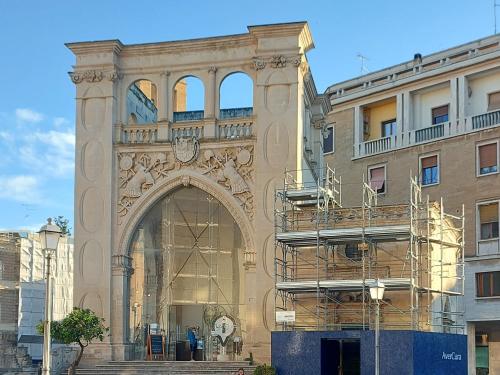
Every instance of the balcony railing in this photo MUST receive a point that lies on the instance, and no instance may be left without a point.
(163, 131)
(431, 132)
(486, 120)
(191, 130)
(235, 112)
(377, 145)
(189, 116)
(139, 133)
(231, 128)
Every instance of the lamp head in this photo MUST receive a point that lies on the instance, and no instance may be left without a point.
(377, 290)
(49, 235)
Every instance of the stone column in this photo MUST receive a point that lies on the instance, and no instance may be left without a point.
(210, 130)
(400, 104)
(406, 125)
(462, 93)
(471, 347)
(120, 274)
(163, 97)
(210, 96)
(164, 100)
(358, 129)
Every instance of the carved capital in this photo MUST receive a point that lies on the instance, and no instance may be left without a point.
(259, 64)
(88, 76)
(121, 265)
(278, 61)
(76, 78)
(165, 73)
(114, 76)
(212, 69)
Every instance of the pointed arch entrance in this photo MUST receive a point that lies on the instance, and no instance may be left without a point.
(187, 254)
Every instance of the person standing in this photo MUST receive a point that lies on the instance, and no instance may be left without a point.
(192, 341)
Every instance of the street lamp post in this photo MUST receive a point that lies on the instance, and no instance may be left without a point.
(49, 235)
(377, 293)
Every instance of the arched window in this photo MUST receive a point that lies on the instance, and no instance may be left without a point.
(236, 96)
(141, 102)
(188, 99)
(187, 256)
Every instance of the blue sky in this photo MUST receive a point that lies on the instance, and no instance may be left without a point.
(37, 97)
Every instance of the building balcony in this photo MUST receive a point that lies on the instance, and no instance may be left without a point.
(236, 124)
(428, 134)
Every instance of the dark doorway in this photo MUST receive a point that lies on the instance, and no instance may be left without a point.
(340, 357)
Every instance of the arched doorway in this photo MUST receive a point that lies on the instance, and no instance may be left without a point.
(187, 256)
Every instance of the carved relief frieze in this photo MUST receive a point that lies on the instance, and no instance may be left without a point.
(230, 167)
(92, 76)
(277, 61)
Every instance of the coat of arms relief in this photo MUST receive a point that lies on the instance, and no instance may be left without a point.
(230, 167)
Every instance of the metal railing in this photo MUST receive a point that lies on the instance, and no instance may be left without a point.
(188, 116)
(235, 112)
(486, 120)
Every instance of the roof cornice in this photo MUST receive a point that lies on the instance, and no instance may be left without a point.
(80, 48)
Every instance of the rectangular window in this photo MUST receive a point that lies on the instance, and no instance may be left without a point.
(488, 221)
(389, 128)
(429, 170)
(440, 114)
(377, 179)
(494, 101)
(328, 140)
(488, 284)
(487, 155)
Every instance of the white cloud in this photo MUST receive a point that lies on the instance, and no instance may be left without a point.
(60, 121)
(53, 152)
(6, 136)
(21, 188)
(28, 115)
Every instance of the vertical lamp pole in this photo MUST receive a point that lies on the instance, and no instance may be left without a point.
(377, 293)
(49, 238)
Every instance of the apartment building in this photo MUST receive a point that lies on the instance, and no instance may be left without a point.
(22, 297)
(436, 117)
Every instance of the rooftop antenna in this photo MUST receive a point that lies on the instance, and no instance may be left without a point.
(495, 6)
(364, 59)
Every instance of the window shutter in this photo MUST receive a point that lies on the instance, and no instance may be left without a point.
(440, 111)
(377, 178)
(494, 101)
(429, 162)
(488, 155)
(488, 213)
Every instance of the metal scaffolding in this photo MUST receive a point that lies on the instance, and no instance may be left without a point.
(327, 256)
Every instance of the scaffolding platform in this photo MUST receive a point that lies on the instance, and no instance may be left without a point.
(343, 235)
(327, 256)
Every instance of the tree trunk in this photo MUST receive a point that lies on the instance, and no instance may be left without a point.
(74, 365)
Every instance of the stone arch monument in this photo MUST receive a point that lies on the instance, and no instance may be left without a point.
(123, 168)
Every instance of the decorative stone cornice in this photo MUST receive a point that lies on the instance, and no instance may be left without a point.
(121, 265)
(92, 76)
(277, 61)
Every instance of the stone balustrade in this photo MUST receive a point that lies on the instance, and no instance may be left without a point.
(231, 127)
(427, 134)
(235, 128)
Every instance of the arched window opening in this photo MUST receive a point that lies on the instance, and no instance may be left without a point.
(188, 99)
(141, 102)
(187, 256)
(236, 96)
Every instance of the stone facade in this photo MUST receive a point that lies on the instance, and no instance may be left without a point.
(22, 297)
(123, 169)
